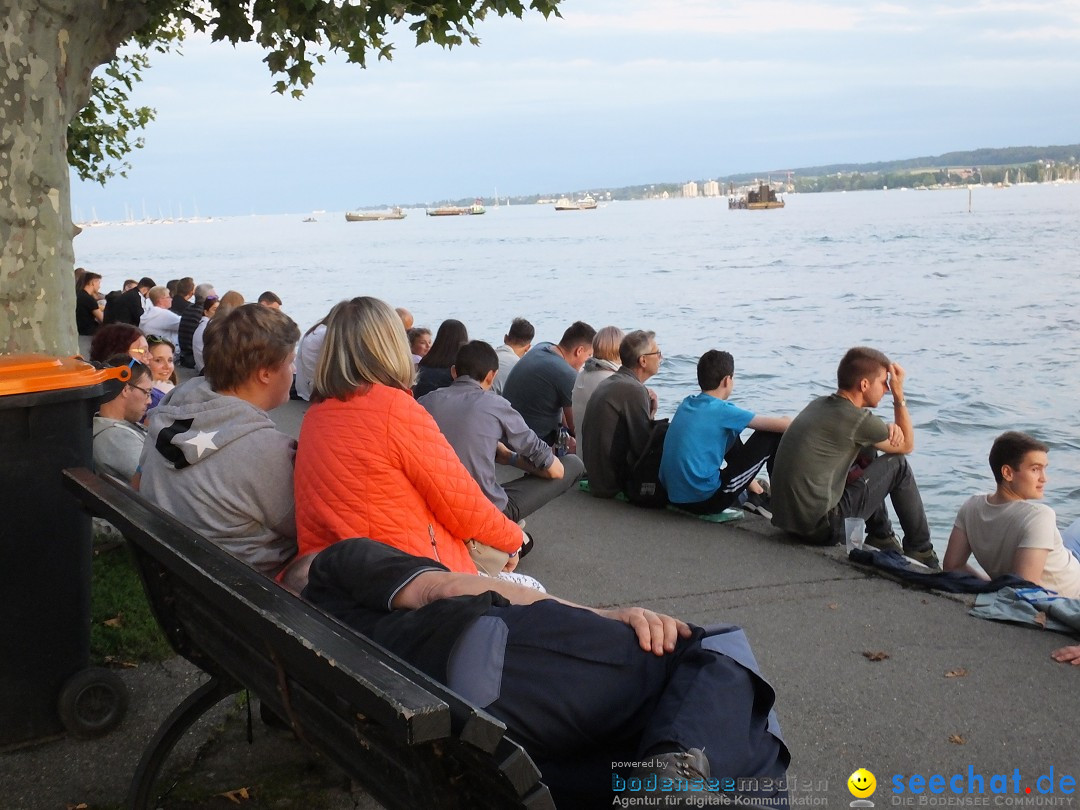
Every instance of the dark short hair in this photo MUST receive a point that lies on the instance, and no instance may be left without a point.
(476, 359)
(520, 333)
(138, 372)
(87, 277)
(247, 339)
(147, 282)
(577, 334)
(860, 363)
(171, 286)
(712, 367)
(452, 335)
(1010, 448)
(185, 287)
(634, 345)
(269, 297)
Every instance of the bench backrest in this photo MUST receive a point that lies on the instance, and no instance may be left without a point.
(408, 739)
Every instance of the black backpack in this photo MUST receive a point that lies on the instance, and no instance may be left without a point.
(643, 485)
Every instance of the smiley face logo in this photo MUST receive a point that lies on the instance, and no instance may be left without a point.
(861, 783)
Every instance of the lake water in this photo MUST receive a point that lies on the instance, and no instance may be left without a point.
(979, 307)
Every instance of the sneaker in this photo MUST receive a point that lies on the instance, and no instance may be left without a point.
(927, 557)
(888, 543)
(758, 503)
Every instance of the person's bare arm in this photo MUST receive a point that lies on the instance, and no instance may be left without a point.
(904, 442)
(957, 554)
(554, 470)
(1029, 563)
(770, 424)
(656, 632)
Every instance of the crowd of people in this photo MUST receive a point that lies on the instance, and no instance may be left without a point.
(402, 506)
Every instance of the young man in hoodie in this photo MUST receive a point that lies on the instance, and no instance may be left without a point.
(214, 458)
(118, 436)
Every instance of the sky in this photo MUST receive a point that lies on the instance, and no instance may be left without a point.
(617, 92)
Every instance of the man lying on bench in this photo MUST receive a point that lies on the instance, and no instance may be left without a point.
(584, 690)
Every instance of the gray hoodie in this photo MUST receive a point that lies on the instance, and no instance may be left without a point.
(221, 466)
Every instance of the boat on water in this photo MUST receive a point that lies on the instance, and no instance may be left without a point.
(374, 216)
(586, 203)
(760, 199)
(457, 210)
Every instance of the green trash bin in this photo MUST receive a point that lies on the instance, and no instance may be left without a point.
(47, 405)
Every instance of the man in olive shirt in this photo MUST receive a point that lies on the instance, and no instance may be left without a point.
(827, 468)
(618, 421)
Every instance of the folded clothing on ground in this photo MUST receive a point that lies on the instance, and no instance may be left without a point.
(909, 571)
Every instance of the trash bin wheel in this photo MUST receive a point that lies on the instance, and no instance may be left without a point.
(92, 702)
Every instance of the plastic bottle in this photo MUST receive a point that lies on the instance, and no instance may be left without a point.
(562, 444)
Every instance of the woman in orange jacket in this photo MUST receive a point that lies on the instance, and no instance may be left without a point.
(371, 461)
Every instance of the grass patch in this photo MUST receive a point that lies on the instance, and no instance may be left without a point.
(122, 628)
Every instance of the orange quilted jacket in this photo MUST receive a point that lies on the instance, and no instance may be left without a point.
(377, 466)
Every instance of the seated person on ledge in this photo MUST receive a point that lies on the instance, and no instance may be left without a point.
(577, 687)
(815, 486)
(619, 418)
(216, 460)
(704, 436)
(118, 436)
(1007, 530)
(482, 428)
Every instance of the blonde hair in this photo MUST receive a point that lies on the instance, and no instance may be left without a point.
(606, 343)
(364, 344)
(227, 303)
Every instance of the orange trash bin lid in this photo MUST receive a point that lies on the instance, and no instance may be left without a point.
(33, 373)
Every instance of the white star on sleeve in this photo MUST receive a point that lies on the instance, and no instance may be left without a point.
(203, 441)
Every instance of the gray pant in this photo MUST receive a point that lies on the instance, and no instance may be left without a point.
(887, 475)
(529, 492)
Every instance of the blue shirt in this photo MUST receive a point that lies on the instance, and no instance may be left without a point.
(701, 432)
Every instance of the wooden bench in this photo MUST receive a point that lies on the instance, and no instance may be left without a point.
(407, 739)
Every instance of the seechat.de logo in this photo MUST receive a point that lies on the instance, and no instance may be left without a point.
(862, 784)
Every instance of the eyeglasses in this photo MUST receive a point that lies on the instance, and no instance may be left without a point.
(138, 351)
(146, 391)
(157, 340)
(658, 353)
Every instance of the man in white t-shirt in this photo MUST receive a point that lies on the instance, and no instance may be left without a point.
(1008, 531)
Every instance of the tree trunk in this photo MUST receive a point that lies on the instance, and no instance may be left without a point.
(47, 52)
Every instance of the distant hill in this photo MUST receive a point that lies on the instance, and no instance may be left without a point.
(1030, 164)
(1009, 156)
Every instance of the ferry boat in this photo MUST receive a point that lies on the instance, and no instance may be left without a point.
(457, 210)
(374, 216)
(761, 199)
(586, 203)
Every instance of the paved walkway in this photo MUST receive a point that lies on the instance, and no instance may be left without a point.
(810, 616)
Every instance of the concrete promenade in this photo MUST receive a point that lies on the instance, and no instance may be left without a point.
(810, 616)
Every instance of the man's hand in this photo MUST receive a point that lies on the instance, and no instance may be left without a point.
(1067, 655)
(656, 632)
(571, 444)
(896, 380)
(654, 403)
(896, 435)
(502, 453)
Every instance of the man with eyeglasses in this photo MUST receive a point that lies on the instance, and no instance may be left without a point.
(118, 436)
(618, 421)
